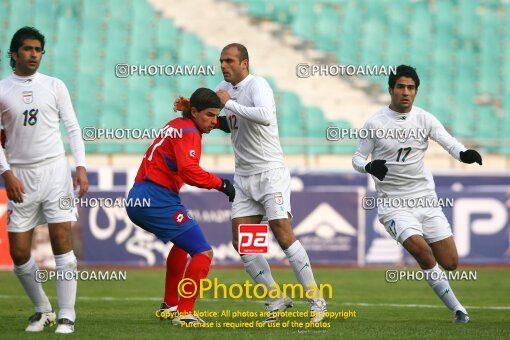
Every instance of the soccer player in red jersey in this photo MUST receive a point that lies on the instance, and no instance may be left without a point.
(172, 160)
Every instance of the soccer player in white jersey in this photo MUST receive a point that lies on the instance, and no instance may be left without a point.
(37, 174)
(398, 170)
(262, 179)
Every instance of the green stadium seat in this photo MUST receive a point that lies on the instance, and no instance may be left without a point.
(115, 93)
(349, 42)
(136, 148)
(19, 16)
(187, 85)
(141, 48)
(373, 9)
(271, 83)
(212, 81)
(259, 8)
(282, 11)
(487, 126)
(119, 13)
(138, 111)
(290, 122)
(110, 119)
(327, 30)
(372, 42)
(467, 21)
(117, 39)
(443, 16)
(163, 103)
(490, 54)
(93, 13)
(342, 146)
(87, 112)
(143, 13)
(303, 23)
(420, 37)
(487, 122)
(45, 18)
(315, 126)
(216, 142)
(396, 51)
(189, 48)
(166, 36)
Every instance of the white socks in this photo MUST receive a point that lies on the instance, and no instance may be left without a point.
(66, 285)
(26, 273)
(300, 263)
(439, 283)
(256, 265)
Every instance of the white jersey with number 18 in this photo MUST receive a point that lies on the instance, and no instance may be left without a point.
(31, 109)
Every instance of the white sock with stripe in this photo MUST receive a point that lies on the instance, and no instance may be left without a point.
(438, 281)
(300, 263)
(26, 274)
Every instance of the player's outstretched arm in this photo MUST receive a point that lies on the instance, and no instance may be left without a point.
(470, 156)
(439, 134)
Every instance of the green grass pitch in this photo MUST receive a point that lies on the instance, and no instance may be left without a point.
(407, 309)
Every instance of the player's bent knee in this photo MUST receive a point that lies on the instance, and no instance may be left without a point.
(450, 264)
(19, 256)
(286, 241)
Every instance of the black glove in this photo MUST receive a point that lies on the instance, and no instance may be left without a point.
(470, 156)
(377, 168)
(228, 189)
(223, 126)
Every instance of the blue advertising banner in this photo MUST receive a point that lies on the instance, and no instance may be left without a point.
(480, 224)
(326, 223)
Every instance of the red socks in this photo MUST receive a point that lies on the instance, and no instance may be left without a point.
(198, 269)
(175, 265)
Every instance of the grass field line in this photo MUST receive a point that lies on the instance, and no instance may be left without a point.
(330, 303)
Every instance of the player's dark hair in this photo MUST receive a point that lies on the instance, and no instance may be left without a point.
(202, 98)
(17, 41)
(243, 51)
(404, 71)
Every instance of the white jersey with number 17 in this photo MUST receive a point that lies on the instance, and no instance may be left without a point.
(401, 140)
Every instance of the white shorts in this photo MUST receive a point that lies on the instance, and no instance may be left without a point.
(45, 183)
(402, 223)
(266, 193)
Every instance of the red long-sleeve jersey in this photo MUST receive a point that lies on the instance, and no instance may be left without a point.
(173, 158)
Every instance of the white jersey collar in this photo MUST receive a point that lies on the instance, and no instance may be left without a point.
(398, 115)
(243, 82)
(24, 80)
